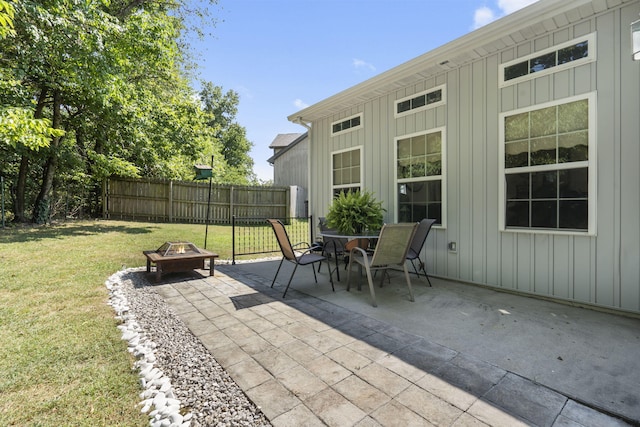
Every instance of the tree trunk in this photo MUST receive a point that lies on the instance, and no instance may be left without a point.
(21, 185)
(42, 204)
(92, 199)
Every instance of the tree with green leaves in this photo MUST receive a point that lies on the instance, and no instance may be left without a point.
(222, 109)
(6, 18)
(100, 88)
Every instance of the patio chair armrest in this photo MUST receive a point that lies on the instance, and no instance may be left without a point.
(359, 252)
(305, 251)
(306, 244)
(355, 249)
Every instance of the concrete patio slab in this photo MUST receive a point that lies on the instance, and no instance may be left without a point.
(458, 355)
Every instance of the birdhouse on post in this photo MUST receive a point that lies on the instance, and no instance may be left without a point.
(203, 172)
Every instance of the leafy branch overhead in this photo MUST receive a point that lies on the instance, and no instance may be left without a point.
(6, 18)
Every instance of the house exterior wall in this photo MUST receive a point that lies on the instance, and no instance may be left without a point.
(290, 168)
(601, 269)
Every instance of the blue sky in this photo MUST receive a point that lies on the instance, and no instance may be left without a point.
(284, 55)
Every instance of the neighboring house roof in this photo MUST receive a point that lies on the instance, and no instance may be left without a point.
(292, 143)
(282, 140)
(536, 19)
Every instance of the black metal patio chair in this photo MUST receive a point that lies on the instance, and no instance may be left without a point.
(293, 255)
(416, 246)
(331, 246)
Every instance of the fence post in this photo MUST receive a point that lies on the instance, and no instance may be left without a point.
(105, 192)
(2, 187)
(170, 208)
(288, 199)
(233, 240)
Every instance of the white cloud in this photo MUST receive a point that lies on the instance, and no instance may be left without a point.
(299, 104)
(359, 63)
(484, 15)
(510, 6)
(244, 91)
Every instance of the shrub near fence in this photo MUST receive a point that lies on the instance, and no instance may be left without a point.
(188, 202)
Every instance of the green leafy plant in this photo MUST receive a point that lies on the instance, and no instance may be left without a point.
(354, 212)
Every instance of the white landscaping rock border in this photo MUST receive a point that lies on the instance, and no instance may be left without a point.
(183, 385)
(158, 396)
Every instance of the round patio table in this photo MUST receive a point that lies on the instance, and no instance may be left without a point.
(331, 237)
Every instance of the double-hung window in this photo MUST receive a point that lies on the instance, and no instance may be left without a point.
(420, 176)
(548, 167)
(346, 170)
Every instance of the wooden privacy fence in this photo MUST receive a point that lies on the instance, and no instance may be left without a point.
(187, 202)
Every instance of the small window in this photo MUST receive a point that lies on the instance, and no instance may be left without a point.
(414, 103)
(517, 70)
(352, 123)
(543, 62)
(573, 53)
(570, 54)
(403, 106)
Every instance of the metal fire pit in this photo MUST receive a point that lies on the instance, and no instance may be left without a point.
(178, 257)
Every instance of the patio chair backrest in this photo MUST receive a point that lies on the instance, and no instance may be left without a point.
(322, 224)
(393, 244)
(332, 245)
(283, 239)
(420, 237)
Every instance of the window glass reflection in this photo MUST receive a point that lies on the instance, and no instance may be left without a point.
(542, 62)
(517, 214)
(544, 185)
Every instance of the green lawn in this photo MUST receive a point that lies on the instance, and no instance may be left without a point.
(62, 361)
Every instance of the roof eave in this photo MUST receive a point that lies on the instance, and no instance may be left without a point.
(295, 142)
(528, 16)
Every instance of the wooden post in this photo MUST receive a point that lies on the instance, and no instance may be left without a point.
(287, 196)
(170, 207)
(105, 183)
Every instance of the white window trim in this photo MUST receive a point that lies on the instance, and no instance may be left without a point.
(591, 164)
(359, 184)
(443, 101)
(443, 173)
(591, 57)
(360, 126)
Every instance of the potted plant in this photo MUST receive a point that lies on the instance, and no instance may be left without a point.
(354, 212)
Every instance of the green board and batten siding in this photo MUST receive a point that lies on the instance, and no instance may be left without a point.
(601, 269)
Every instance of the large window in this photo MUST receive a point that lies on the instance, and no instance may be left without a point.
(548, 166)
(347, 170)
(420, 176)
(569, 54)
